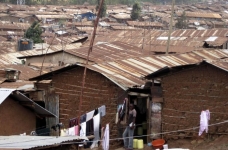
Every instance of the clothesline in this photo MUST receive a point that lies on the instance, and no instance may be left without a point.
(162, 133)
(113, 119)
(193, 112)
(189, 128)
(93, 132)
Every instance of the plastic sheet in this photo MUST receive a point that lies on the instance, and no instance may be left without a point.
(156, 121)
(156, 107)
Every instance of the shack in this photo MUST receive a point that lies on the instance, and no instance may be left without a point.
(100, 89)
(189, 89)
(19, 114)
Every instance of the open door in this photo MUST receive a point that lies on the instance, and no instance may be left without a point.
(52, 104)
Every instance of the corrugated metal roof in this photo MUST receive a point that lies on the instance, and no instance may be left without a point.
(65, 46)
(130, 69)
(180, 38)
(220, 64)
(60, 16)
(129, 72)
(218, 41)
(31, 104)
(12, 58)
(108, 51)
(144, 24)
(200, 15)
(4, 93)
(26, 71)
(28, 142)
(124, 28)
(122, 16)
(7, 47)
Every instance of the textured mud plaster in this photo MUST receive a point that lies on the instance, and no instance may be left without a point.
(15, 119)
(187, 93)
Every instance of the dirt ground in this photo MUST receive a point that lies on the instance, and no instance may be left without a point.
(206, 143)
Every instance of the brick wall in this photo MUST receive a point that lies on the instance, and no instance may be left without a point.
(187, 93)
(15, 119)
(98, 91)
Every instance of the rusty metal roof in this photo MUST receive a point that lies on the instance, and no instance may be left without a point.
(65, 46)
(108, 51)
(11, 33)
(222, 64)
(217, 42)
(101, 52)
(145, 38)
(26, 71)
(130, 72)
(200, 15)
(122, 16)
(124, 28)
(12, 58)
(7, 47)
(144, 24)
(60, 16)
(15, 85)
(48, 37)
(14, 26)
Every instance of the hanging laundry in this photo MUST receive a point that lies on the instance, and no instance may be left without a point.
(102, 110)
(204, 119)
(72, 131)
(64, 132)
(117, 117)
(89, 115)
(208, 114)
(83, 118)
(122, 110)
(83, 129)
(95, 112)
(73, 122)
(89, 127)
(96, 126)
(105, 141)
(77, 130)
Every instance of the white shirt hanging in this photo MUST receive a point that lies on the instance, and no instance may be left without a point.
(204, 119)
(105, 142)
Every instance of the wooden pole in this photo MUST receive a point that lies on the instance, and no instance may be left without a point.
(87, 59)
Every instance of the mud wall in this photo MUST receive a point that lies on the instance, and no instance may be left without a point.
(187, 93)
(15, 119)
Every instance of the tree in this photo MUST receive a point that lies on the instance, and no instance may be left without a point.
(34, 32)
(182, 21)
(136, 10)
(103, 8)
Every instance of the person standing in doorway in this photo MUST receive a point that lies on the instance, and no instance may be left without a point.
(129, 131)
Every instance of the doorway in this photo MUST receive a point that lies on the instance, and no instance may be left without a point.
(140, 104)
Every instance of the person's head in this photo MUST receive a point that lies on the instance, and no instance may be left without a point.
(131, 106)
